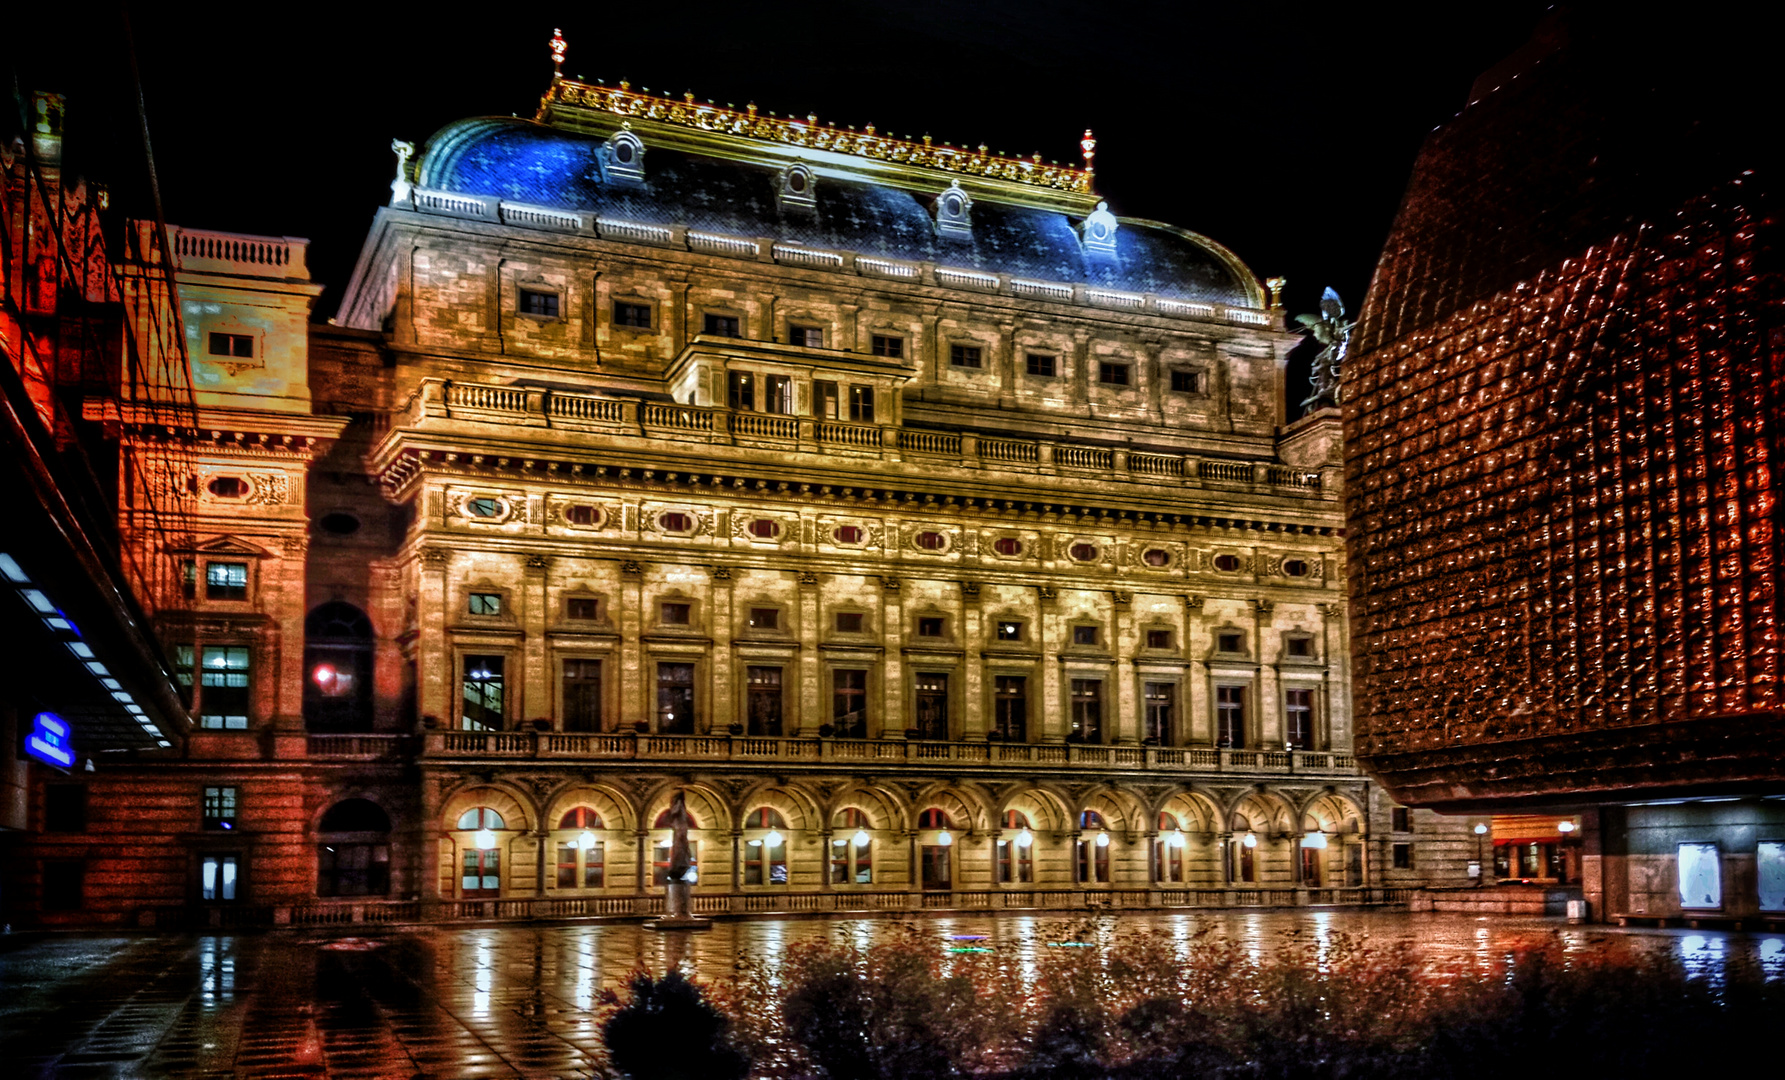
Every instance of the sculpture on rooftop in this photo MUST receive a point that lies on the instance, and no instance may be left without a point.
(1333, 332)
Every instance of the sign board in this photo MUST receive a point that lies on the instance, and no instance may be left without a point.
(49, 741)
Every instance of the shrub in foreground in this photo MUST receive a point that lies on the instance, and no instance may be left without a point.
(668, 1030)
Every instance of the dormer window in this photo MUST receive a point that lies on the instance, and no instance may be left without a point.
(798, 188)
(625, 156)
(952, 209)
(1098, 232)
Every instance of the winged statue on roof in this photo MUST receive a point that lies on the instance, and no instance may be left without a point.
(1331, 329)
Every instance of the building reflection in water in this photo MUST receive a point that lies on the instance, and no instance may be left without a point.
(482, 977)
(217, 971)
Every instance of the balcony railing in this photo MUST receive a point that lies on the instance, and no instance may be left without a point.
(628, 746)
(438, 400)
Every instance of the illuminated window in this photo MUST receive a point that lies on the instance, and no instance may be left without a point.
(934, 819)
(217, 878)
(486, 603)
(223, 688)
(660, 858)
(1298, 718)
(240, 345)
(1113, 374)
(765, 618)
(852, 849)
(931, 694)
(1161, 707)
(886, 345)
(481, 694)
(1041, 365)
(1186, 382)
(582, 608)
(861, 404)
(1168, 851)
(481, 817)
(849, 703)
(582, 695)
(826, 400)
(637, 316)
(964, 356)
(765, 857)
(741, 390)
(226, 581)
(1230, 716)
(219, 808)
(1016, 859)
(675, 699)
(1087, 709)
(807, 337)
(480, 874)
(720, 325)
(777, 394)
(1010, 708)
(539, 303)
(483, 508)
(1009, 630)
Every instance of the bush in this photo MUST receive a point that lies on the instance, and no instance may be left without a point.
(668, 1030)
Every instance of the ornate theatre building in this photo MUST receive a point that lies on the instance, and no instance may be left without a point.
(937, 530)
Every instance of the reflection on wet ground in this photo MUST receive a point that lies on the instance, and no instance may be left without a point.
(519, 1001)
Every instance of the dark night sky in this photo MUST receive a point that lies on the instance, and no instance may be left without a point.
(1285, 132)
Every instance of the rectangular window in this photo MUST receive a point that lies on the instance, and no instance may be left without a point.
(825, 400)
(1299, 647)
(849, 622)
(184, 656)
(567, 866)
(1010, 631)
(1230, 643)
(1400, 819)
(232, 345)
(1042, 365)
(1186, 382)
(887, 345)
(582, 695)
(861, 404)
(1298, 718)
(967, 356)
(936, 868)
(763, 701)
(582, 608)
(189, 579)
(635, 315)
(1158, 639)
(1230, 716)
(481, 694)
(929, 626)
(742, 390)
(219, 808)
(65, 808)
(676, 614)
(217, 878)
(64, 882)
(849, 703)
(1084, 635)
(932, 706)
(765, 863)
(721, 325)
(1093, 862)
(765, 618)
(806, 337)
(1168, 862)
(353, 870)
(223, 688)
(1087, 709)
(1016, 863)
(486, 603)
(777, 394)
(1700, 876)
(1113, 374)
(226, 581)
(675, 699)
(660, 863)
(1403, 856)
(1010, 708)
(539, 303)
(1161, 701)
(594, 865)
(852, 863)
(482, 875)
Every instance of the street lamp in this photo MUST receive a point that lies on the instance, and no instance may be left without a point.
(1480, 865)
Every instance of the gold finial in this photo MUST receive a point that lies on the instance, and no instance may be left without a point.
(1088, 147)
(558, 47)
(1275, 285)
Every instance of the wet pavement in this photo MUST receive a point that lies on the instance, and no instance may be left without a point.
(513, 1001)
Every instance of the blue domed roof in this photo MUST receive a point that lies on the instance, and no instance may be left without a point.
(545, 166)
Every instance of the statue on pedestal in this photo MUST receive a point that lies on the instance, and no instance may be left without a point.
(1333, 332)
(677, 913)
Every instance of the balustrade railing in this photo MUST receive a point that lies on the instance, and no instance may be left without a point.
(491, 403)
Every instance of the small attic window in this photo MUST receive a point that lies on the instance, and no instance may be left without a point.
(953, 209)
(625, 156)
(798, 187)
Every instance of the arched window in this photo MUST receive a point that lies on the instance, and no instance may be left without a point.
(581, 817)
(663, 821)
(1090, 819)
(852, 848)
(481, 817)
(1093, 851)
(764, 817)
(1016, 850)
(353, 852)
(337, 669)
(852, 817)
(933, 819)
(936, 870)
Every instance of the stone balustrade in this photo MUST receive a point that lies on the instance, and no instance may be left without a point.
(978, 756)
(203, 250)
(446, 400)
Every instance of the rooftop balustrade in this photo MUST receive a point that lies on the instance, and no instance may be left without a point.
(441, 400)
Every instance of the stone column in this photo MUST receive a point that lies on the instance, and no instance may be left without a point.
(892, 668)
(1199, 706)
(808, 716)
(433, 659)
(636, 683)
(541, 837)
(536, 677)
(1127, 726)
(719, 626)
(846, 331)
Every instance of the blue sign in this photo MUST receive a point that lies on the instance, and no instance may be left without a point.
(48, 741)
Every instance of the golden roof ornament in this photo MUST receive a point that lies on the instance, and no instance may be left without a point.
(1088, 147)
(558, 47)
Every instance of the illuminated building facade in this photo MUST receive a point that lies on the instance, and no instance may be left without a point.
(939, 532)
(1563, 471)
